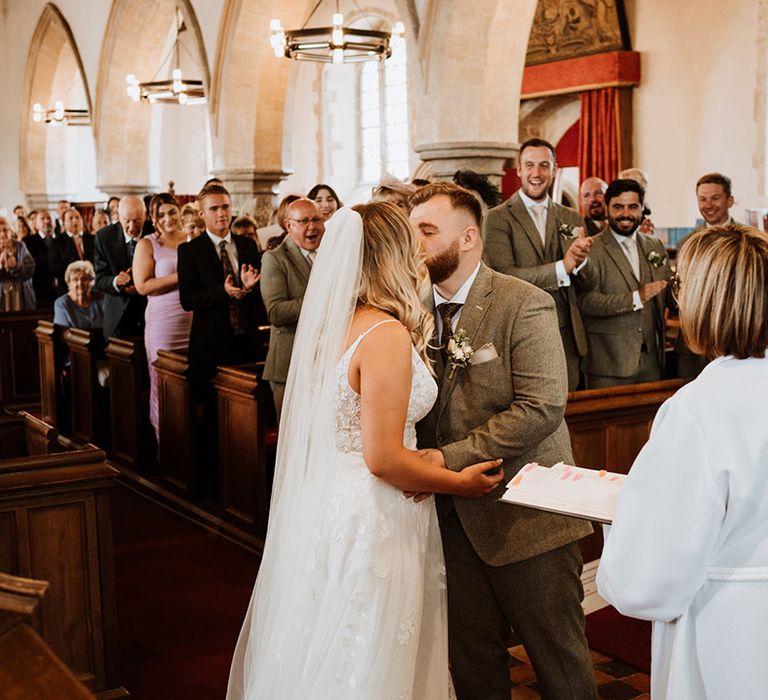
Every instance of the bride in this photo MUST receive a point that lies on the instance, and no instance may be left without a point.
(350, 597)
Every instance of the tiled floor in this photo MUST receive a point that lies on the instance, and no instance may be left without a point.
(615, 681)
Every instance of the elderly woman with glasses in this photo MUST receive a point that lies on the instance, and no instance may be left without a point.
(688, 548)
(82, 306)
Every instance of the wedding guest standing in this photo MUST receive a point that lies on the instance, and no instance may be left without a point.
(689, 545)
(326, 199)
(17, 267)
(166, 324)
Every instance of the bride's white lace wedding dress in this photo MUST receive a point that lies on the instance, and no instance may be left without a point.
(371, 614)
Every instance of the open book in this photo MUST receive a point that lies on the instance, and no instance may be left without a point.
(582, 493)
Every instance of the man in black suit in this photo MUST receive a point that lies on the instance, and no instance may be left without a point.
(76, 243)
(218, 276)
(113, 258)
(50, 264)
(218, 282)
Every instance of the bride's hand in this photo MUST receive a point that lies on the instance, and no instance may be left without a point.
(475, 483)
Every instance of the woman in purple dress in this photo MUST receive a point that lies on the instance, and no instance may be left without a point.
(154, 273)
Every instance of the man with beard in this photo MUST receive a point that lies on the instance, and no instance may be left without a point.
(506, 566)
(531, 237)
(592, 205)
(624, 314)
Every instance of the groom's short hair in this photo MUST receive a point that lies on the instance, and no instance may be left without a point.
(460, 198)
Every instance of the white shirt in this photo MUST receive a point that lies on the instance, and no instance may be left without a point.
(563, 278)
(688, 547)
(231, 251)
(459, 298)
(637, 304)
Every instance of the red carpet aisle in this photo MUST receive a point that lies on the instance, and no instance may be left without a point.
(181, 597)
(622, 638)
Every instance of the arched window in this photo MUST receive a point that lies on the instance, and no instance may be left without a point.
(383, 121)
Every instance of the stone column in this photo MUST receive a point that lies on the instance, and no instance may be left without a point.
(485, 158)
(253, 191)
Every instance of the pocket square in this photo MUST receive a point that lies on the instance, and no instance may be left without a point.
(486, 353)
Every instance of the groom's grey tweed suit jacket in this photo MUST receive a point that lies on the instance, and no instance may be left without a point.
(510, 407)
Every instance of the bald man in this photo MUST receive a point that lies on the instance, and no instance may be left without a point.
(113, 262)
(592, 205)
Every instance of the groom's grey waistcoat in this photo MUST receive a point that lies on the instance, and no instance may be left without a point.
(510, 407)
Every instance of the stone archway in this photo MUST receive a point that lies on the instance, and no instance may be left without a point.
(136, 41)
(472, 57)
(54, 71)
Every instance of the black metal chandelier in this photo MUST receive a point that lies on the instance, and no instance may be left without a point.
(334, 44)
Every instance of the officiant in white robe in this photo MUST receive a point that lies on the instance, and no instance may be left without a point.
(689, 545)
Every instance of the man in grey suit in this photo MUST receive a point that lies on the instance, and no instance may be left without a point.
(507, 566)
(284, 276)
(624, 314)
(531, 237)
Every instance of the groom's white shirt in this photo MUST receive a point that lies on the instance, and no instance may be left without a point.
(459, 298)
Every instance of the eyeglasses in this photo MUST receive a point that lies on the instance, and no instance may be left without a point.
(674, 286)
(305, 221)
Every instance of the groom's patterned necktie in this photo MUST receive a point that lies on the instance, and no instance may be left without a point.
(447, 312)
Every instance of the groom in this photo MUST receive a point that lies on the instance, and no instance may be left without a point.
(507, 566)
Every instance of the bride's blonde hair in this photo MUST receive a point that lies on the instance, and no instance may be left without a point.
(394, 277)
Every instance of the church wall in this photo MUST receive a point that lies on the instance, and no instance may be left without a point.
(698, 107)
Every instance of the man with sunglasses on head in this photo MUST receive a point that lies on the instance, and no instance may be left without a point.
(284, 277)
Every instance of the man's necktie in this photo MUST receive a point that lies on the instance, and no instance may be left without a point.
(311, 255)
(539, 215)
(235, 308)
(630, 246)
(79, 246)
(131, 248)
(447, 312)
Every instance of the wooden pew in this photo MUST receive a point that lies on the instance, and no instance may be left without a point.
(55, 526)
(132, 439)
(19, 375)
(89, 402)
(179, 449)
(609, 427)
(243, 408)
(52, 353)
(35, 671)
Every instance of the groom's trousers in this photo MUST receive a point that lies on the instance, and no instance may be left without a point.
(540, 598)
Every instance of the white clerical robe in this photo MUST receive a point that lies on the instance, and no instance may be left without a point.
(689, 545)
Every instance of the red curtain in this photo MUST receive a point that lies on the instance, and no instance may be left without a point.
(599, 135)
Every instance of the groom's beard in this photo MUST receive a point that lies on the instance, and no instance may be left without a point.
(444, 264)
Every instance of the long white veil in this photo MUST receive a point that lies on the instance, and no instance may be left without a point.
(271, 645)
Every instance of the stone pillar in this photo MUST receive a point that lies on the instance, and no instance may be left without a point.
(253, 191)
(485, 158)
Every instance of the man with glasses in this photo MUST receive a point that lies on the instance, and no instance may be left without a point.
(284, 276)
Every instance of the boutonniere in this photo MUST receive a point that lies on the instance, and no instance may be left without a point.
(656, 259)
(459, 351)
(565, 230)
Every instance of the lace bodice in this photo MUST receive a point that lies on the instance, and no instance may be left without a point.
(347, 401)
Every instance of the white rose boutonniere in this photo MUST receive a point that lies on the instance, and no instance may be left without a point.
(565, 230)
(656, 259)
(459, 351)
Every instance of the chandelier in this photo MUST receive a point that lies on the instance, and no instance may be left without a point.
(173, 90)
(59, 116)
(334, 44)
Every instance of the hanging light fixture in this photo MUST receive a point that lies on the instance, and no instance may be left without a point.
(175, 90)
(59, 116)
(334, 44)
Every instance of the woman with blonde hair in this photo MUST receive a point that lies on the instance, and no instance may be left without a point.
(167, 325)
(689, 545)
(350, 598)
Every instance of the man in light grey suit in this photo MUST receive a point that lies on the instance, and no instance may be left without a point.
(284, 277)
(624, 314)
(507, 566)
(531, 237)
